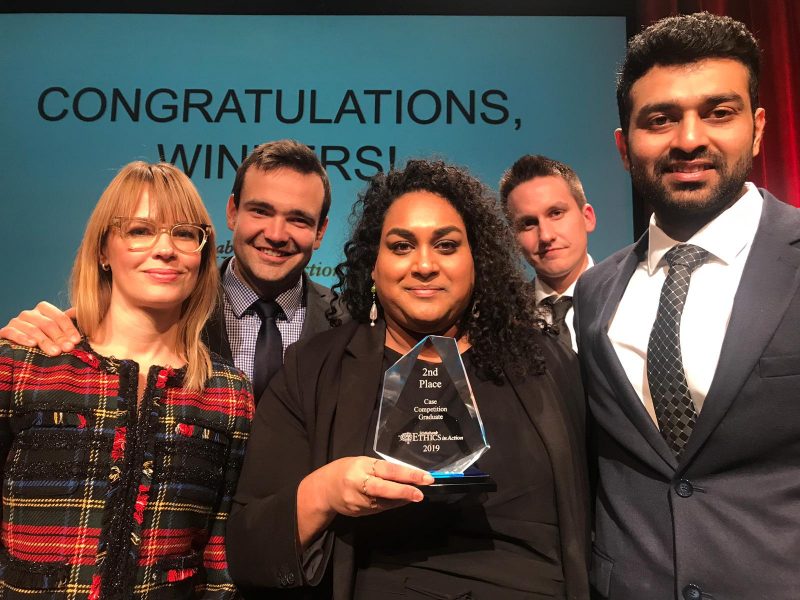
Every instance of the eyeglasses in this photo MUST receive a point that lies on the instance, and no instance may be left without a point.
(142, 234)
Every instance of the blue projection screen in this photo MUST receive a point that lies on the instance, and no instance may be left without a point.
(85, 94)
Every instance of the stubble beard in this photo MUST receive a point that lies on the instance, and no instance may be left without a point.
(674, 209)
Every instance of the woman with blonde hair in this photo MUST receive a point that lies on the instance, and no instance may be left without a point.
(121, 456)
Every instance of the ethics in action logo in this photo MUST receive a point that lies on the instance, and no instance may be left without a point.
(428, 436)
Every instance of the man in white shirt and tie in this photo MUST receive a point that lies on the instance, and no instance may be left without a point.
(689, 339)
(547, 208)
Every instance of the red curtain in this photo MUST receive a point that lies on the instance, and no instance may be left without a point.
(776, 25)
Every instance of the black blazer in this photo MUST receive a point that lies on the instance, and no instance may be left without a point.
(318, 408)
(726, 517)
(318, 300)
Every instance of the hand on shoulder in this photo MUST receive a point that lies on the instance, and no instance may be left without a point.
(45, 327)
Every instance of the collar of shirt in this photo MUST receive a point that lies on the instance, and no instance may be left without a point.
(724, 237)
(241, 296)
(541, 290)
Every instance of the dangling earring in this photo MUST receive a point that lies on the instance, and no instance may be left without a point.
(105, 266)
(373, 311)
(476, 311)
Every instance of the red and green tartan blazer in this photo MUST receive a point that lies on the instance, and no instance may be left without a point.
(107, 499)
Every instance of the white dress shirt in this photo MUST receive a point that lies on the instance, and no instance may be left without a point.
(541, 291)
(713, 285)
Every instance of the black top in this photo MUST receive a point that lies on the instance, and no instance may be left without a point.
(317, 409)
(484, 544)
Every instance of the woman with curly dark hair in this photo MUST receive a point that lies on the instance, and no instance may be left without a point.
(429, 254)
(499, 335)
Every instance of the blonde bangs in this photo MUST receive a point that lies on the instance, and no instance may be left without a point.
(173, 198)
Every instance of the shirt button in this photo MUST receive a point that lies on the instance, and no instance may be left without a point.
(684, 489)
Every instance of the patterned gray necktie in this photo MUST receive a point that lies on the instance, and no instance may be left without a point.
(559, 307)
(671, 398)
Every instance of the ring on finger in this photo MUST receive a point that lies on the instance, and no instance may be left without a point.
(364, 486)
(373, 502)
(374, 462)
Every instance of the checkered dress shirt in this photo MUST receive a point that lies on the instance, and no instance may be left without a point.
(104, 497)
(242, 322)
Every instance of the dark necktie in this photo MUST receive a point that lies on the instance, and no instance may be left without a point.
(559, 307)
(668, 387)
(269, 346)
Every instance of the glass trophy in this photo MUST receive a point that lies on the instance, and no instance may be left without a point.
(428, 419)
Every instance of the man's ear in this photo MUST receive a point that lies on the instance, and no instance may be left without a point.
(622, 147)
(589, 218)
(320, 233)
(231, 213)
(759, 121)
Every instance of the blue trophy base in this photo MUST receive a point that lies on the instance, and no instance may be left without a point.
(471, 481)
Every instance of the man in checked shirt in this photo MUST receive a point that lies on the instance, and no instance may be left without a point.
(278, 213)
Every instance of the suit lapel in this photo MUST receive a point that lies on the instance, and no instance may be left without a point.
(359, 375)
(608, 361)
(547, 417)
(769, 283)
(545, 407)
(215, 330)
(361, 378)
(316, 305)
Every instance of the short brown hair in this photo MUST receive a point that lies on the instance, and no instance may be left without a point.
(532, 166)
(284, 154)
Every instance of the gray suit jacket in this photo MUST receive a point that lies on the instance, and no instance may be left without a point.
(318, 300)
(726, 517)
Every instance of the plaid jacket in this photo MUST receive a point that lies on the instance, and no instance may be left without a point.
(106, 500)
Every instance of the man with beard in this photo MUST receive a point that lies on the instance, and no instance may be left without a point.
(689, 340)
(278, 213)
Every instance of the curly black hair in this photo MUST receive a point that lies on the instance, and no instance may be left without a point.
(686, 39)
(500, 325)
